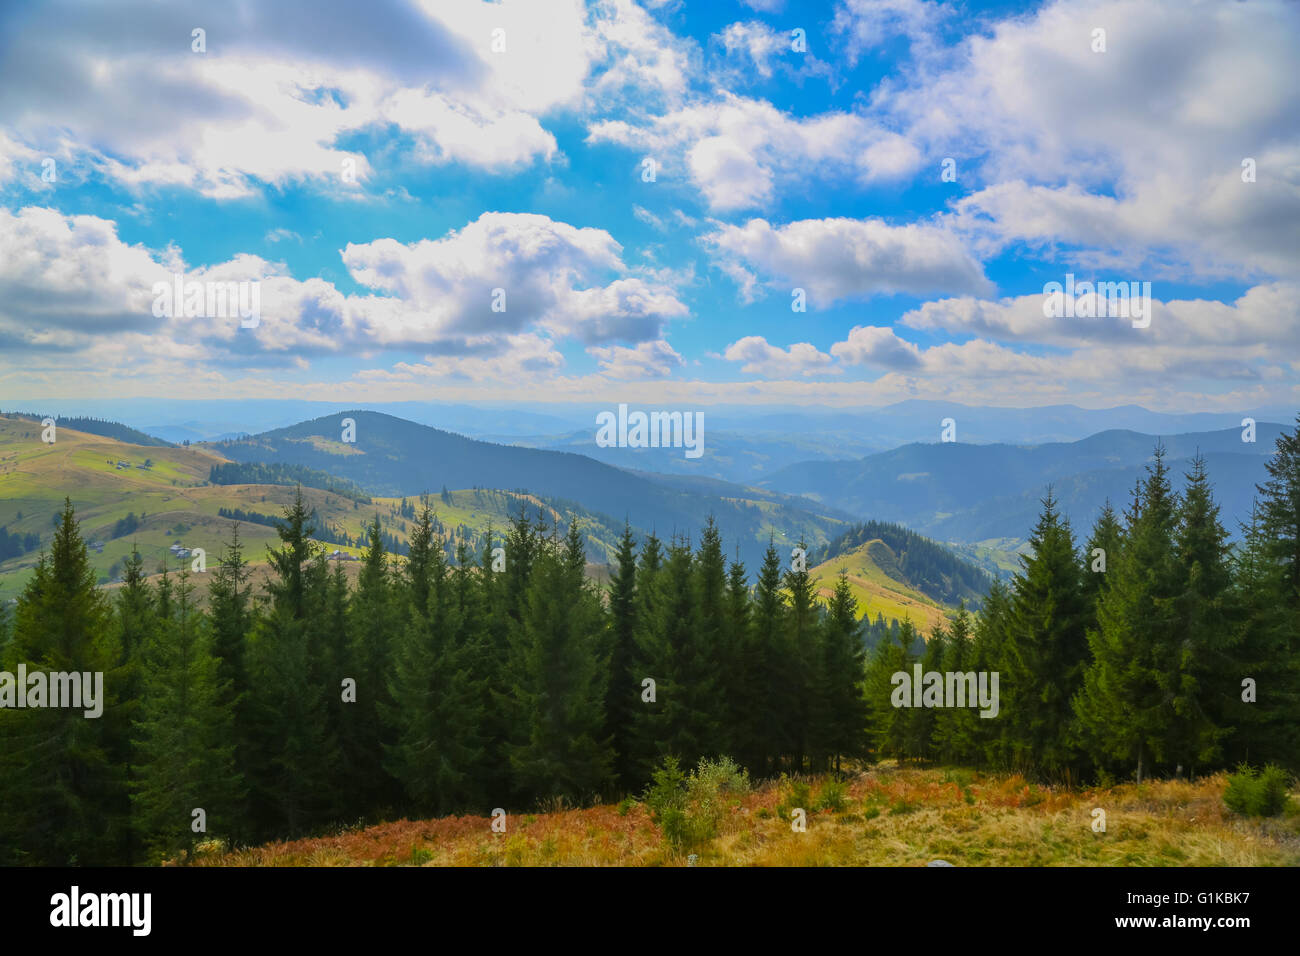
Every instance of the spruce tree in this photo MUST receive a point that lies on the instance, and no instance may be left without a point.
(842, 708)
(559, 672)
(681, 721)
(1125, 707)
(436, 709)
(184, 738)
(955, 728)
(1195, 662)
(800, 650)
(63, 797)
(373, 617)
(1046, 652)
(294, 756)
(625, 689)
(775, 736)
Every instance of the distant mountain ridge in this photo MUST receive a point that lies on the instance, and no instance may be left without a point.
(968, 493)
(97, 426)
(391, 456)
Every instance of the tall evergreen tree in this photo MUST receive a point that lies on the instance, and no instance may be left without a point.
(63, 798)
(294, 756)
(184, 737)
(775, 735)
(1046, 652)
(1125, 706)
(955, 733)
(681, 720)
(437, 708)
(625, 690)
(1193, 661)
(560, 672)
(842, 726)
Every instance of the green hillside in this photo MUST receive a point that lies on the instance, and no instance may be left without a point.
(394, 457)
(875, 578)
(162, 496)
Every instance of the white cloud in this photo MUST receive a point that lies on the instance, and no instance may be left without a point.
(655, 359)
(739, 149)
(760, 358)
(877, 346)
(1264, 316)
(70, 286)
(1133, 154)
(758, 43)
(835, 259)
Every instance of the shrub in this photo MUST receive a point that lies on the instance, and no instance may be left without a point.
(1256, 793)
(795, 794)
(689, 809)
(625, 807)
(832, 796)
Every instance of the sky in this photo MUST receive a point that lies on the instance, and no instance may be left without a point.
(612, 201)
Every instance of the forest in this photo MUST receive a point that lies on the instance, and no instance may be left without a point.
(506, 677)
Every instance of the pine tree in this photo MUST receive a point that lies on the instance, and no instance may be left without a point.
(374, 617)
(184, 737)
(437, 709)
(1046, 652)
(624, 688)
(63, 799)
(560, 672)
(294, 756)
(843, 724)
(1197, 659)
(1125, 707)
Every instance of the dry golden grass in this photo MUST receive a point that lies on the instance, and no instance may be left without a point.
(891, 817)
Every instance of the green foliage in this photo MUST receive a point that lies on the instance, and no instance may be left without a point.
(795, 794)
(833, 796)
(1257, 793)
(688, 809)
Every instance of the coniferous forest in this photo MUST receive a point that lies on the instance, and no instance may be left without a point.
(1145, 646)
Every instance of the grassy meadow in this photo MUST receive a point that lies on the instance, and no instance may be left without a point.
(885, 816)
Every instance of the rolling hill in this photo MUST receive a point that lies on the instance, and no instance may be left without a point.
(394, 457)
(161, 496)
(977, 493)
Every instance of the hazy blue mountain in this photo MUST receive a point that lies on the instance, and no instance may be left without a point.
(962, 492)
(392, 456)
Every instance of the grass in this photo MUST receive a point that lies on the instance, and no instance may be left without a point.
(888, 817)
(876, 591)
(35, 478)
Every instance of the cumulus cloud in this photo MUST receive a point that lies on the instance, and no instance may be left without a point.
(1136, 152)
(1268, 313)
(738, 150)
(282, 85)
(655, 359)
(760, 358)
(69, 284)
(836, 259)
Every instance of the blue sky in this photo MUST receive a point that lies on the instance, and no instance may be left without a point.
(1102, 139)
